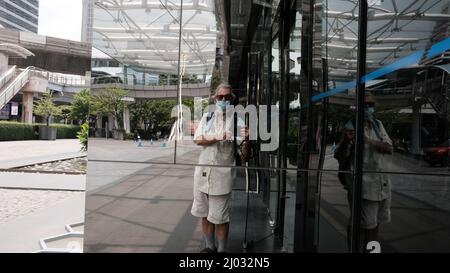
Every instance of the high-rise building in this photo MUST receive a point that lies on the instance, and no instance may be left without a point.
(22, 15)
(87, 22)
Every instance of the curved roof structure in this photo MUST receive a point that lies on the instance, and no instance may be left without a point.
(15, 51)
(145, 34)
(395, 29)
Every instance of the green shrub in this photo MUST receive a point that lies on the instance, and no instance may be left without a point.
(11, 131)
(66, 131)
(129, 136)
(83, 136)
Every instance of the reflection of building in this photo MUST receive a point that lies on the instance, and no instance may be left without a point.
(143, 53)
(87, 21)
(21, 15)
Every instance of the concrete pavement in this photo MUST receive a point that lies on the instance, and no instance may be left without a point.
(23, 153)
(23, 234)
(40, 181)
(38, 205)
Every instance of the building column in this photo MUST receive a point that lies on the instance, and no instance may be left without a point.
(416, 130)
(99, 121)
(110, 122)
(87, 78)
(3, 63)
(126, 120)
(27, 107)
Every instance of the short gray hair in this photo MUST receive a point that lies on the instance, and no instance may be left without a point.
(226, 86)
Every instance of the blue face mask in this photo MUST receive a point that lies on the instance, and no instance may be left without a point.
(369, 111)
(222, 104)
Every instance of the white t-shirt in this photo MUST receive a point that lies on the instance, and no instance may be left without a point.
(375, 186)
(215, 180)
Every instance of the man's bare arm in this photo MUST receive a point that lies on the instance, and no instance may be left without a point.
(205, 142)
(382, 147)
(208, 141)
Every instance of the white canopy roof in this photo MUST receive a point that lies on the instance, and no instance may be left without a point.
(145, 34)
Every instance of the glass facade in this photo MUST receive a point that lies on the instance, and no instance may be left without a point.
(21, 15)
(353, 94)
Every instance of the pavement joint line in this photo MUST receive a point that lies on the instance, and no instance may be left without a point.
(40, 172)
(46, 162)
(39, 189)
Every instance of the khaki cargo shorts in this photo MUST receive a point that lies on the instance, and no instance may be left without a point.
(216, 208)
(375, 212)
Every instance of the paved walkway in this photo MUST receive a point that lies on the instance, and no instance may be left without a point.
(135, 207)
(105, 173)
(23, 153)
(17, 180)
(147, 209)
(37, 205)
(145, 212)
(23, 234)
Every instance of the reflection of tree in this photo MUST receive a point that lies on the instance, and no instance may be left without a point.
(338, 115)
(392, 116)
(156, 114)
(111, 102)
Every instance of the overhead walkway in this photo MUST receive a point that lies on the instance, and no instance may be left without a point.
(157, 92)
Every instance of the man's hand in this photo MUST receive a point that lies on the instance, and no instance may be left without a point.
(245, 132)
(210, 140)
(381, 147)
(225, 136)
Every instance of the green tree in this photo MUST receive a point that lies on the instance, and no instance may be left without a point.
(46, 108)
(157, 113)
(81, 106)
(65, 112)
(111, 102)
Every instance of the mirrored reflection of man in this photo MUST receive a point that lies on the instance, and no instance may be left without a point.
(376, 186)
(213, 185)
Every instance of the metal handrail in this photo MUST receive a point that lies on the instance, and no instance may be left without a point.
(7, 76)
(11, 90)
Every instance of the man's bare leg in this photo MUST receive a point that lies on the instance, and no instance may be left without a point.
(222, 236)
(208, 233)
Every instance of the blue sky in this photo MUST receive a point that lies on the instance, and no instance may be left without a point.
(60, 18)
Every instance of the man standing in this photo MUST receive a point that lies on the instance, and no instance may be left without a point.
(213, 185)
(376, 186)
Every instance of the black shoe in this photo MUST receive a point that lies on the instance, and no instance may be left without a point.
(208, 250)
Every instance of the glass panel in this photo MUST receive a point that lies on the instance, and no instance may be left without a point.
(200, 69)
(135, 69)
(334, 217)
(134, 84)
(406, 125)
(334, 66)
(420, 215)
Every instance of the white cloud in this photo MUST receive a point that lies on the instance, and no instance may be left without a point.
(60, 19)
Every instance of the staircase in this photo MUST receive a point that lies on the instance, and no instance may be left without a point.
(436, 91)
(12, 82)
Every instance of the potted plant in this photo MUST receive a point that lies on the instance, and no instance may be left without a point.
(47, 109)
